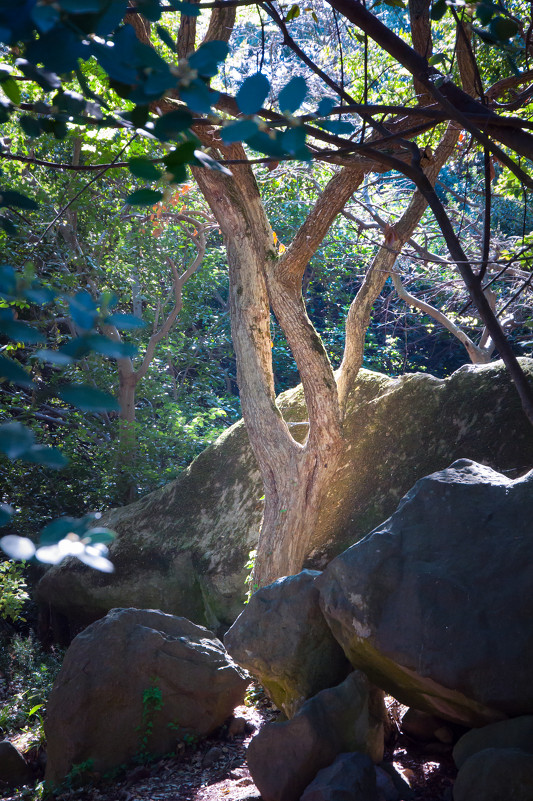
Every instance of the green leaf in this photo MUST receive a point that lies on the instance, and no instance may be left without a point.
(198, 97)
(35, 709)
(30, 126)
(54, 357)
(187, 9)
(99, 534)
(172, 124)
(58, 530)
(485, 12)
(125, 322)
(238, 131)
(12, 90)
(208, 56)
(325, 106)
(15, 439)
(143, 168)
(253, 93)
(48, 457)
(46, 80)
(177, 158)
(45, 17)
(10, 198)
(110, 348)
(14, 373)
(503, 28)
(210, 163)
(338, 127)
(6, 513)
(293, 140)
(438, 9)
(144, 197)
(19, 332)
(292, 95)
(438, 58)
(166, 38)
(293, 12)
(88, 399)
(83, 310)
(82, 6)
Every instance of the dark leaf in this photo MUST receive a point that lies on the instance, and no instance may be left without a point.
(238, 131)
(30, 126)
(125, 322)
(253, 93)
(45, 17)
(83, 310)
(292, 95)
(338, 127)
(14, 373)
(46, 80)
(325, 106)
(55, 357)
(110, 348)
(15, 439)
(143, 168)
(187, 9)
(208, 56)
(58, 530)
(48, 457)
(6, 513)
(88, 399)
(198, 97)
(10, 198)
(58, 49)
(144, 197)
(17, 331)
(503, 28)
(293, 12)
(166, 38)
(172, 124)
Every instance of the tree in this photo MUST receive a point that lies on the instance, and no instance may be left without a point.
(415, 137)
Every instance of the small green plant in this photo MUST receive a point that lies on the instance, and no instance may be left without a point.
(13, 593)
(188, 738)
(77, 775)
(152, 703)
(248, 581)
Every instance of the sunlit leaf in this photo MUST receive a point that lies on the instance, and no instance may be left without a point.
(20, 548)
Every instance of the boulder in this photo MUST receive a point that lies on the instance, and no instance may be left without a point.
(14, 770)
(514, 733)
(284, 758)
(281, 637)
(184, 547)
(136, 683)
(351, 777)
(495, 774)
(426, 728)
(435, 605)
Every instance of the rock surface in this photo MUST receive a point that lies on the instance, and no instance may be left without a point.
(514, 733)
(183, 548)
(351, 777)
(284, 758)
(137, 681)
(14, 770)
(282, 638)
(496, 774)
(435, 605)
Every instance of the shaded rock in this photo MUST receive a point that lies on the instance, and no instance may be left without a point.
(136, 682)
(514, 733)
(14, 770)
(390, 785)
(282, 638)
(496, 774)
(425, 727)
(351, 777)
(435, 605)
(184, 547)
(284, 758)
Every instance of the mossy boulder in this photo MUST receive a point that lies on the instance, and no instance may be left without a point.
(183, 548)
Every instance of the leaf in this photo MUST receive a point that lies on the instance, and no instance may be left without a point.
(14, 373)
(82, 6)
(485, 12)
(58, 50)
(110, 348)
(206, 161)
(19, 332)
(54, 357)
(10, 198)
(293, 12)
(292, 95)
(438, 58)
(166, 38)
(20, 548)
(438, 9)
(49, 457)
(6, 513)
(144, 197)
(125, 322)
(173, 123)
(263, 143)
(253, 93)
(198, 97)
(325, 106)
(293, 140)
(35, 709)
(91, 557)
(58, 530)
(12, 90)
(503, 28)
(338, 127)
(187, 9)
(88, 399)
(45, 17)
(143, 168)
(83, 310)
(30, 126)
(208, 56)
(15, 439)
(46, 80)
(238, 131)
(99, 534)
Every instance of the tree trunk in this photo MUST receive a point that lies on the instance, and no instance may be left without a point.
(126, 452)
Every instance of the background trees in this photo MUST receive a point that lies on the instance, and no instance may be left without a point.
(368, 106)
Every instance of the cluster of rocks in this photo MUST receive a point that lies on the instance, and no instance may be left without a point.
(433, 607)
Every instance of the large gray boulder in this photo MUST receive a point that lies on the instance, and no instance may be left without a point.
(184, 548)
(136, 683)
(495, 774)
(435, 605)
(513, 733)
(282, 638)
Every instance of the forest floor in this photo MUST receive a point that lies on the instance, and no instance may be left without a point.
(215, 769)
